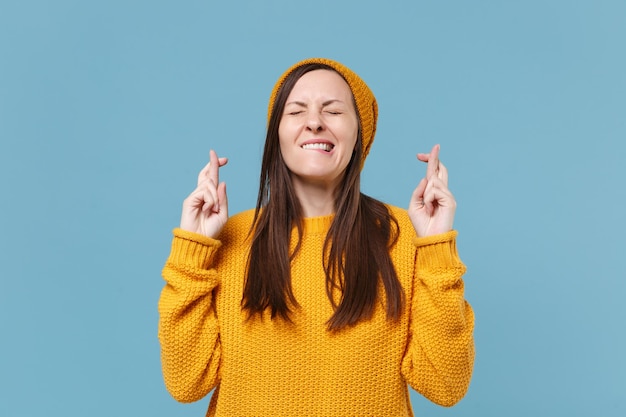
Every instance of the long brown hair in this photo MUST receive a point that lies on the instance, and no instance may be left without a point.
(358, 241)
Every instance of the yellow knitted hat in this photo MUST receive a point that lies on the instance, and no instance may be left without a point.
(366, 105)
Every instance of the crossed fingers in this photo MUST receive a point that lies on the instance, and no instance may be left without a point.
(208, 181)
(434, 187)
(435, 168)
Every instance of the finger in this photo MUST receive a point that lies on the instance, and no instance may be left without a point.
(211, 192)
(214, 167)
(437, 194)
(206, 192)
(200, 199)
(424, 157)
(203, 174)
(429, 198)
(443, 173)
(223, 198)
(438, 184)
(209, 203)
(433, 162)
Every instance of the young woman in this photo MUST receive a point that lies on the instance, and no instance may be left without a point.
(322, 301)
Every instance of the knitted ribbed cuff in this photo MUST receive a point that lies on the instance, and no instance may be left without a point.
(438, 251)
(193, 249)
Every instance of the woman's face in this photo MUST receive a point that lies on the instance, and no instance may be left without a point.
(318, 129)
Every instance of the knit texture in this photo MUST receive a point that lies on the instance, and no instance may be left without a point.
(264, 367)
(366, 105)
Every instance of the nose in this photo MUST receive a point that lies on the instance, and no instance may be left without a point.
(314, 123)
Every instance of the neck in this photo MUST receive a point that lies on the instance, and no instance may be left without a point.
(316, 199)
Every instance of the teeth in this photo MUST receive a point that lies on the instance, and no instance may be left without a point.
(324, 146)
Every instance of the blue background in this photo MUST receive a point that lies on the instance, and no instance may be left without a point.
(108, 110)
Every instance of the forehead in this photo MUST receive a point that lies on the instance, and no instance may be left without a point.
(322, 83)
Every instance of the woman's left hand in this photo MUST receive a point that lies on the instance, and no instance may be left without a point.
(432, 205)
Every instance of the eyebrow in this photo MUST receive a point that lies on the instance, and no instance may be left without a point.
(324, 104)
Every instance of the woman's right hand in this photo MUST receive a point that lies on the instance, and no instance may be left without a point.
(205, 211)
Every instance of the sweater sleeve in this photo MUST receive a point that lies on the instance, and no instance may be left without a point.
(439, 358)
(188, 325)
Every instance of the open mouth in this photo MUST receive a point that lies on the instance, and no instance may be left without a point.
(326, 147)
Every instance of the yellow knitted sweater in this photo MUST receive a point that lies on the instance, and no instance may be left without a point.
(264, 367)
